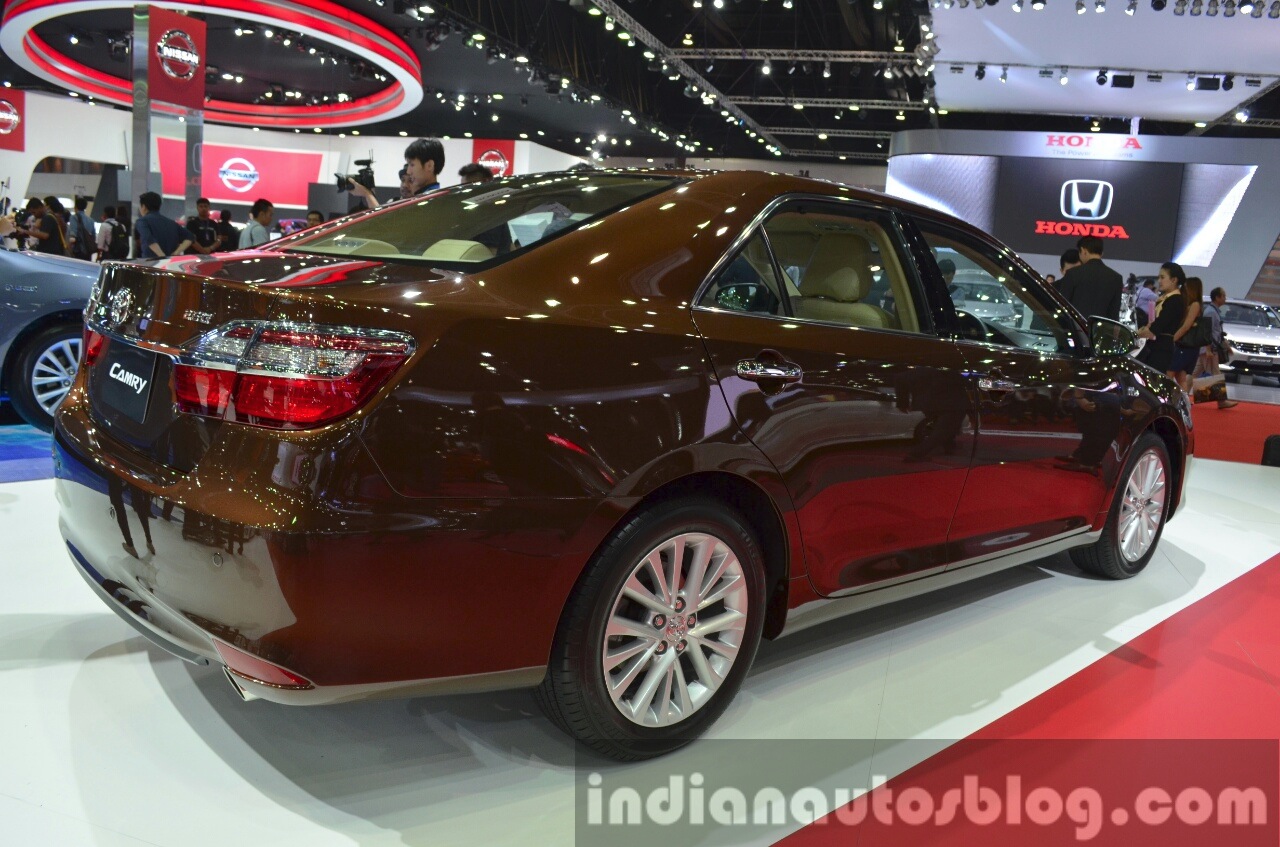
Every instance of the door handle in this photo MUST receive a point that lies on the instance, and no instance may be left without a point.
(754, 370)
(987, 383)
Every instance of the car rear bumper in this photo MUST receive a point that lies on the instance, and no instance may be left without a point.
(397, 597)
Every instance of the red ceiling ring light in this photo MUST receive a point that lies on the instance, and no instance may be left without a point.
(320, 20)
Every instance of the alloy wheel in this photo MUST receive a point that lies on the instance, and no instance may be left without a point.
(675, 629)
(54, 372)
(1142, 508)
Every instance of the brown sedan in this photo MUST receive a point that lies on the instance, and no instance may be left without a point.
(595, 433)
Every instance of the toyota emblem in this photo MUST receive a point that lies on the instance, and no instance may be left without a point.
(121, 305)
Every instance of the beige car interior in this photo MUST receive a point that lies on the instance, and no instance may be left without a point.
(837, 267)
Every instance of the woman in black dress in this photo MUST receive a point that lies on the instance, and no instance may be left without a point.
(1171, 311)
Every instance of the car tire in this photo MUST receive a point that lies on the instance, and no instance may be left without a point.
(611, 649)
(1138, 513)
(43, 371)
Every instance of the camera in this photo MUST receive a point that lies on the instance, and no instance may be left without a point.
(364, 176)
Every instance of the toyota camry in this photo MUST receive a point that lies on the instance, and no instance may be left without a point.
(590, 433)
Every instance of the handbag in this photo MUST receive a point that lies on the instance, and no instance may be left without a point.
(1209, 388)
(1225, 352)
(1199, 335)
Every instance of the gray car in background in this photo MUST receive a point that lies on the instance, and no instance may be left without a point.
(1253, 329)
(42, 300)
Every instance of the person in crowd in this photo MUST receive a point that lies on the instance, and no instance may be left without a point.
(1069, 259)
(82, 236)
(58, 212)
(1092, 287)
(474, 172)
(258, 231)
(1051, 279)
(205, 237)
(423, 162)
(314, 218)
(1170, 312)
(1184, 358)
(1210, 356)
(948, 270)
(230, 235)
(158, 236)
(43, 228)
(113, 237)
(1146, 299)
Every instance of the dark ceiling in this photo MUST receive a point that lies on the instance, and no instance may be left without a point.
(583, 82)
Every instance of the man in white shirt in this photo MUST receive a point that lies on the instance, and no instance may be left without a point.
(259, 220)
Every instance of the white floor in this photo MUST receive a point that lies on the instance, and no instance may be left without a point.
(106, 740)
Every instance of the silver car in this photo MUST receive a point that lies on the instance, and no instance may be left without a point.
(981, 296)
(42, 300)
(1254, 331)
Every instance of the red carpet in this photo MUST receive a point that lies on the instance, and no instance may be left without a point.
(1210, 672)
(1236, 434)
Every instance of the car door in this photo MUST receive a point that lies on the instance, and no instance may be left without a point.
(1050, 413)
(827, 354)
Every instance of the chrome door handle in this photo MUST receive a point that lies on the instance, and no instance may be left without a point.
(753, 370)
(986, 383)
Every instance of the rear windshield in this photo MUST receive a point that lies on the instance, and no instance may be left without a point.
(484, 223)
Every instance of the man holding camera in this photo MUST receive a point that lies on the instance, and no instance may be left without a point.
(423, 161)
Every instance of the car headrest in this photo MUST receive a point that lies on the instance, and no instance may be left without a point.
(458, 250)
(839, 270)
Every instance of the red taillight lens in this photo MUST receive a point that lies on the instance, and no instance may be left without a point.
(254, 669)
(93, 342)
(286, 376)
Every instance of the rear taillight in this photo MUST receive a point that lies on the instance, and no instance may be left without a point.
(256, 669)
(287, 376)
(93, 342)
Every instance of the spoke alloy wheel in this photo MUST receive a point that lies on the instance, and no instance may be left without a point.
(675, 630)
(1142, 508)
(54, 372)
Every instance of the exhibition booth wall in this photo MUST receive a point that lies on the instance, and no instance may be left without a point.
(70, 128)
(1206, 203)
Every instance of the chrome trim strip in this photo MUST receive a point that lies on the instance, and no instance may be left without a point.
(869, 597)
(324, 695)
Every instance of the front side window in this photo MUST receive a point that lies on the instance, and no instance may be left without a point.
(994, 299)
(483, 223)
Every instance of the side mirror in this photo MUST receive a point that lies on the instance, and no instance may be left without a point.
(747, 297)
(1110, 338)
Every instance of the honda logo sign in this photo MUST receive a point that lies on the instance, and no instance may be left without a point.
(1086, 199)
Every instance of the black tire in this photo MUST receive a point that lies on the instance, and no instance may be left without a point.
(60, 344)
(574, 693)
(1106, 557)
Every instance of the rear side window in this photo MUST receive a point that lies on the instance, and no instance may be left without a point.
(748, 283)
(482, 224)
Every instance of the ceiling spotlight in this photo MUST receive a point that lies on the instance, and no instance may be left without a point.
(1102, 77)
(1180, 8)
(711, 65)
(1017, 5)
(791, 70)
(1191, 82)
(1004, 74)
(1063, 80)
(766, 68)
(1242, 116)
(1080, 7)
(826, 70)
(1037, 5)
(1131, 8)
(1158, 5)
(1258, 8)
(1197, 6)
(1246, 7)
(1212, 9)
(1229, 9)
(980, 73)
(1275, 9)
(1228, 82)
(1099, 6)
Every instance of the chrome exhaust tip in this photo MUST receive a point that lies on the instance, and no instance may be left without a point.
(244, 694)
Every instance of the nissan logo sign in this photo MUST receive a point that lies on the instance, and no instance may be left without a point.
(178, 55)
(238, 174)
(495, 162)
(1086, 199)
(9, 117)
